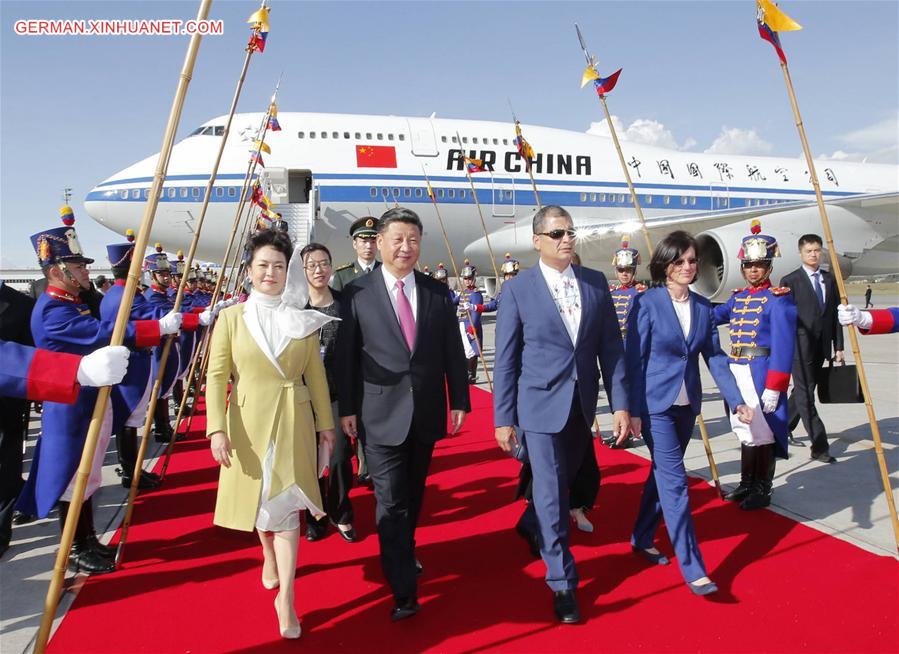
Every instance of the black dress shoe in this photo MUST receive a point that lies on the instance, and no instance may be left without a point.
(565, 607)
(349, 535)
(404, 608)
(145, 483)
(83, 559)
(531, 538)
(363, 480)
(824, 457)
(19, 518)
(419, 568)
(795, 443)
(315, 531)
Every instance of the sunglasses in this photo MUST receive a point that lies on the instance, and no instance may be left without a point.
(681, 263)
(557, 234)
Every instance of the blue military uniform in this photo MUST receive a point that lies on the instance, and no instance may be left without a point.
(623, 296)
(40, 375)
(762, 325)
(469, 307)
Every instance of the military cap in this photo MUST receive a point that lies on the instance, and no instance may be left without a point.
(758, 246)
(440, 273)
(468, 270)
(626, 256)
(365, 226)
(59, 244)
(510, 266)
(158, 261)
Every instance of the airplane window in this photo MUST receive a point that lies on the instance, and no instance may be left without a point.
(335, 135)
(648, 199)
(602, 197)
(407, 192)
(418, 193)
(384, 192)
(593, 197)
(396, 192)
(462, 193)
(374, 192)
(183, 192)
(508, 195)
(390, 137)
(380, 137)
(346, 135)
(453, 139)
(451, 193)
(683, 199)
(495, 141)
(402, 137)
(220, 130)
(358, 136)
(465, 139)
(505, 141)
(135, 193)
(324, 135)
(199, 130)
(232, 191)
(219, 192)
(440, 193)
(196, 191)
(443, 139)
(583, 197)
(123, 195)
(666, 199)
(474, 139)
(693, 201)
(368, 136)
(312, 135)
(301, 134)
(146, 193)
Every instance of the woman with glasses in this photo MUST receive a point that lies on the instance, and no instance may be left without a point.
(669, 328)
(264, 438)
(335, 488)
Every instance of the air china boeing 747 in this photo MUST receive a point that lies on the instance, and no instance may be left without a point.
(326, 170)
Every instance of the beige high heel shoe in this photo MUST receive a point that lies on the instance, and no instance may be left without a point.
(269, 584)
(580, 519)
(290, 633)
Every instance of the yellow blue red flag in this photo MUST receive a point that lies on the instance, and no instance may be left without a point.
(772, 20)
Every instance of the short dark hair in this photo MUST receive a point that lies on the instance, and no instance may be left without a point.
(399, 215)
(120, 272)
(273, 237)
(547, 211)
(809, 238)
(670, 249)
(314, 247)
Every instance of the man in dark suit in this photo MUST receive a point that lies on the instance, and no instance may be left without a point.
(818, 333)
(15, 326)
(400, 338)
(556, 321)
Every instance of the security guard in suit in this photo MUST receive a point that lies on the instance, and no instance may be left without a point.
(624, 293)
(363, 232)
(762, 323)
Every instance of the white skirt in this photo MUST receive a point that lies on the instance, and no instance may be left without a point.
(757, 432)
(466, 343)
(139, 415)
(95, 480)
(282, 512)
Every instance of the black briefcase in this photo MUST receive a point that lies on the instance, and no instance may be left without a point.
(839, 385)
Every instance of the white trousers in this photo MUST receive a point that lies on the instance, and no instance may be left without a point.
(95, 480)
(757, 432)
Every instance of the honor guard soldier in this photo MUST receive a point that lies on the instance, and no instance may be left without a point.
(469, 307)
(363, 232)
(440, 274)
(426, 271)
(626, 261)
(177, 272)
(509, 270)
(158, 267)
(762, 321)
(61, 322)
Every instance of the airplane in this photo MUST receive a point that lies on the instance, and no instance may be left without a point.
(326, 170)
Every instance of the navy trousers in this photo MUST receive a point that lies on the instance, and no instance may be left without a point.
(665, 493)
(555, 459)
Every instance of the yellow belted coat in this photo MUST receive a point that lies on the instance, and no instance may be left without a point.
(288, 405)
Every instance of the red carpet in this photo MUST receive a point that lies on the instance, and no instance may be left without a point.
(187, 586)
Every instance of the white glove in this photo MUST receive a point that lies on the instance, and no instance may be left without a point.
(206, 318)
(465, 305)
(104, 367)
(170, 323)
(848, 314)
(769, 400)
(865, 320)
(223, 304)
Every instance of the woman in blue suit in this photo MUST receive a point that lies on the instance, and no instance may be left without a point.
(669, 328)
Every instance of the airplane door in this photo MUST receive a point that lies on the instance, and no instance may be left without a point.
(424, 141)
(719, 196)
(503, 196)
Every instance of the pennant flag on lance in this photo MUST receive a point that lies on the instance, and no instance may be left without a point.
(273, 123)
(606, 84)
(772, 20)
(262, 145)
(475, 165)
(524, 148)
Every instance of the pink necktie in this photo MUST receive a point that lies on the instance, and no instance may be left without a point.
(407, 320)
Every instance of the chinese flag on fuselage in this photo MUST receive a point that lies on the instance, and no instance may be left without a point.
(375, 156)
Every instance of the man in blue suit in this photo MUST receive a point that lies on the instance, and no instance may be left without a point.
(555, 322)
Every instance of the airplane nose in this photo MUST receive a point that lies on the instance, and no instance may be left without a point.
(515, 240)
(96, 203)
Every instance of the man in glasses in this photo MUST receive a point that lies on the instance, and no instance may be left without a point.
(364, 233)
(557, 320)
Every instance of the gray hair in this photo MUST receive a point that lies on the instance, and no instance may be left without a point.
(547, 212)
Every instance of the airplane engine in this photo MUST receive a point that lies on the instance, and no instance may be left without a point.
(719, 269)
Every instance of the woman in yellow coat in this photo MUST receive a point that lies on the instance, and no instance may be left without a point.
(265, 440)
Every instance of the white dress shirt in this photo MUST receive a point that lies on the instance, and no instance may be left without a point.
(366, 267)
(408, 288)
(682, 309)
(566, 294)
(811, 280)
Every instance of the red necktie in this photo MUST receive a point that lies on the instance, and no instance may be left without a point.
(407, 320)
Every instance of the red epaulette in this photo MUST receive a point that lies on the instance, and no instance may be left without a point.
(779, 290)
(737, 290)
(641, 287)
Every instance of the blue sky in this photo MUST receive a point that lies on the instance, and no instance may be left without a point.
(74, 110)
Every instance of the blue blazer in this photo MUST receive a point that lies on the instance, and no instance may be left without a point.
(536, 364)
(659, 358)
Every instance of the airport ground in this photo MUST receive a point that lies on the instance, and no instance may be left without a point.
(845, 500)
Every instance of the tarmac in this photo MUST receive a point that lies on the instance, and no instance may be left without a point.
(845, 500)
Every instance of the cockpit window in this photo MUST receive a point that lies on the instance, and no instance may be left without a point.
(209, 130)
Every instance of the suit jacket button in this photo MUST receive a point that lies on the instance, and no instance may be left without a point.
(684, 357)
